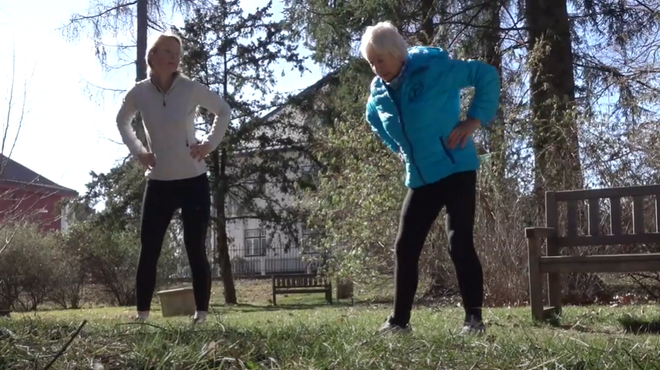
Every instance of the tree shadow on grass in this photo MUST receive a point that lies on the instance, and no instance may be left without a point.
(627, 324)
(246, 307)
(637, 325)
(557, 323)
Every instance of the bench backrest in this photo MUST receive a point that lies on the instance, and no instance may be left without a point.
(302, 281)
(596, 200)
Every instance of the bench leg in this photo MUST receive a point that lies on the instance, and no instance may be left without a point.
(535, 281)
(554, 283)
(328, 295)
(554, 292)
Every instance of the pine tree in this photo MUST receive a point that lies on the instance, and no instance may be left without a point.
(235, 54)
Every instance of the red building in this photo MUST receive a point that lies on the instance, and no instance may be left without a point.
(27, 196)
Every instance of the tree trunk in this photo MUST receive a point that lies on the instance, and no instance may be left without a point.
(491, 49)
(141, 63)
(552, 97)
(222, 243)
(428, 28)
(552, 85)
(218, 167)
(494, 189)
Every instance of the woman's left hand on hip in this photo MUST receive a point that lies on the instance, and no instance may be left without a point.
(462, 132)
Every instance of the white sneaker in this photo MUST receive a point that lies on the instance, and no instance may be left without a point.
(473, 326)
(142, 316)
(199, 318)
(389, 327)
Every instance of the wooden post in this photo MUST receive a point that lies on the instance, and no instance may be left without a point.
(638, 215)
(535, 282)
(274, 295)
(328, 292)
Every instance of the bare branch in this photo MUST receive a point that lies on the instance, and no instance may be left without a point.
(66, 346)
(114, 9)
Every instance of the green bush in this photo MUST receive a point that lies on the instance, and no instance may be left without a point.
(109, 259)
(27, 266)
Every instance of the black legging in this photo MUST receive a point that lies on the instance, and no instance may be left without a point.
(420, 209)
(161, 200)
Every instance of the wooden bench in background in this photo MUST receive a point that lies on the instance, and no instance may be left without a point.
(297, 284)
(553, 264)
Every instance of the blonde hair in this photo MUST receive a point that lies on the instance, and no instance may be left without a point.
(156, 41)
(383, 38)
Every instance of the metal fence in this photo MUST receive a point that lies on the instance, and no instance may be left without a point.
(254, 254)
(272, 262)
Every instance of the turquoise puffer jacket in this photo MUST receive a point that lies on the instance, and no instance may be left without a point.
(426, 108)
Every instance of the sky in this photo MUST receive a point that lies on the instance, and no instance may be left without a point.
(69, 126)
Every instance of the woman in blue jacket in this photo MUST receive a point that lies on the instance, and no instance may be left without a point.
(414, 107)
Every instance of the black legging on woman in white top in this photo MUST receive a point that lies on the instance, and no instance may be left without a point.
(161, 199)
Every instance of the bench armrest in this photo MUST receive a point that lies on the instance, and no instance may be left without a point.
(540, 232)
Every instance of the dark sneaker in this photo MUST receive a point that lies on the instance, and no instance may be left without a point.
(473, 326)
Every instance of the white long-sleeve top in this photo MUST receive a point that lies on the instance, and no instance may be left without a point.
(169, 121)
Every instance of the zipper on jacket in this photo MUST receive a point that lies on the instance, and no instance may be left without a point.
(164, 95)
(405, 135)
(447, 152)
(412, 155)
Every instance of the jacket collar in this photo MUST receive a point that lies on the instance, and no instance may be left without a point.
(175, 79)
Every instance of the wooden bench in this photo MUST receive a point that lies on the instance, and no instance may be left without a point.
(298, 284)
(553, 264)
(177, 302)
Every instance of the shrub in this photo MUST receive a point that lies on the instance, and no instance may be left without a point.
(27, 266)
(109, 258)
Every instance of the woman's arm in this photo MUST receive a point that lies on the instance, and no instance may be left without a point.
(124, 117)
(377, 126)
(486, 82)
(218, 106)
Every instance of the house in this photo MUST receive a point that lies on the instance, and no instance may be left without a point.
(26, 196)
(256, 249)
(259, 250)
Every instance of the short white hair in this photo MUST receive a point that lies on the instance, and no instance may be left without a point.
(383, 38)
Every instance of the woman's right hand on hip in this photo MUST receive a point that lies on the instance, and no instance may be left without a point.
(148, 160)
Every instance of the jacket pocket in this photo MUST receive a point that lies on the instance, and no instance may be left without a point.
(447, 151)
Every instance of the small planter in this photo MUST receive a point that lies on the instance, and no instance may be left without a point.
(345, 289)
(177, 302)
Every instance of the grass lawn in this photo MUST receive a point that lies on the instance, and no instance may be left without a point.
(300, 336)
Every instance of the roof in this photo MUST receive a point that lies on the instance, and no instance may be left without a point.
(14, 172)
(306, 95)
(297, 106)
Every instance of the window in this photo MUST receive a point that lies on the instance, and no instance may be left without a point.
(233, 207)
(306, 169)
(306, 241)
(309, 175)
(255, 242)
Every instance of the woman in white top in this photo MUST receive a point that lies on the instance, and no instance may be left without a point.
(176, 171)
